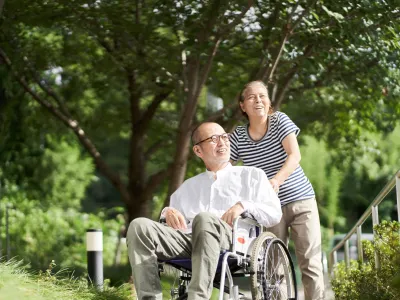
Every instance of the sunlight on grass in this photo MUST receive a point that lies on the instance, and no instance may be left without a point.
(17, 283)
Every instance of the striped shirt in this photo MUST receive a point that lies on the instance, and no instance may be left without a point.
(269, 155)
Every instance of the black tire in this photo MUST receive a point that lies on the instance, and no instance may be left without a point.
(272, 271)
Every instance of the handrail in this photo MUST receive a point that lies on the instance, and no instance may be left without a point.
(372, 209)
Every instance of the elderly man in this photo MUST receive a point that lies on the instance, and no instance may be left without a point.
(200, 217)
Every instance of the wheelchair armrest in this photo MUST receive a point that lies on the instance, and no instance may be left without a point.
(247, 218)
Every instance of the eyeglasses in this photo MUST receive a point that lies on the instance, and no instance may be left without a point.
(216, 138)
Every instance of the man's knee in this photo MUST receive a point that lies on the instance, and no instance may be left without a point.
(138, 227)
(204, 218)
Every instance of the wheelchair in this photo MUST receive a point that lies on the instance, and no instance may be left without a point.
(255, 254)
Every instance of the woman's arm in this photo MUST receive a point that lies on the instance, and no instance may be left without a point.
(291, 148)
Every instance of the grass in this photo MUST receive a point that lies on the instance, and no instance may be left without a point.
(17, 283)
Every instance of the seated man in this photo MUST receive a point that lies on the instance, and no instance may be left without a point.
(200, 217)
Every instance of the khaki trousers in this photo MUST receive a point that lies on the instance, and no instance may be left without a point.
(303, 220)
(148, 241)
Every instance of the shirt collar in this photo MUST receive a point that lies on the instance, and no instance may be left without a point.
(212, 175)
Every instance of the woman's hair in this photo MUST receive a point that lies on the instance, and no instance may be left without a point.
(247, 85)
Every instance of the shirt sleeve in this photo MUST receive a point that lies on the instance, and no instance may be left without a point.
(234, 139)
(286, 126)
(174, 202)
(263, 202)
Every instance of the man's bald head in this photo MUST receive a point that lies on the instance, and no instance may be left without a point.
(198, 132)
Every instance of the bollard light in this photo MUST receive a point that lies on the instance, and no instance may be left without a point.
(94, 248)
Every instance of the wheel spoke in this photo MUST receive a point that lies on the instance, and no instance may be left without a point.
(273, 270)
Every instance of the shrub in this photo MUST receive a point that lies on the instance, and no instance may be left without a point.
(39, 236)
(363, 280)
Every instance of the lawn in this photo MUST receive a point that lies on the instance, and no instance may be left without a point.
(17, 283)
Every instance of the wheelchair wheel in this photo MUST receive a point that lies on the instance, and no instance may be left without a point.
(172, 284)
(272, 271)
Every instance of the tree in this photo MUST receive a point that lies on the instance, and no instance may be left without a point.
(153, 60)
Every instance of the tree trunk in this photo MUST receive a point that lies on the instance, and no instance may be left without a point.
(1, 6)
(137, 207)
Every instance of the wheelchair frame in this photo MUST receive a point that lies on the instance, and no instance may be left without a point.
(266, 274)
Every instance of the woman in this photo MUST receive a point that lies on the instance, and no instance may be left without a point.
(269, 142)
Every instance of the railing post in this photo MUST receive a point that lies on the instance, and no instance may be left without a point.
(346, 253)
(359, 244)
(332, 261)
(375, 221)
(398, 194)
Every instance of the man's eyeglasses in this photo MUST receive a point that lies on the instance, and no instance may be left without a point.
(216, 137)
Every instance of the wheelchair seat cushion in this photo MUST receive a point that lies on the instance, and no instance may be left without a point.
(186, 263)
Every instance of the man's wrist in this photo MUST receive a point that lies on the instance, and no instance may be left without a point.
(240, 204)
(164, 211)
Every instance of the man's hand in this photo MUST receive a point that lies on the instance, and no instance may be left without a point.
(233, 213)
(175, 219)
(275, 184)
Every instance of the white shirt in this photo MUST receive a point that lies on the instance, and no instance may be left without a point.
(247, 185)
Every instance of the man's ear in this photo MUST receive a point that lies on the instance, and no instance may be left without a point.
(197, 151)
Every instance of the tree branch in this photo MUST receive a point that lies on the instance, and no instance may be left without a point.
(154, 148)
(48, 90)
(218, 115)
(269, 72)
(207, 67)
(147, 116)
(288, 32)
(73, 125)
(137, 13)
(288, 79)
(1, 6)
(134, 95)
(263, 61)
(156, 179)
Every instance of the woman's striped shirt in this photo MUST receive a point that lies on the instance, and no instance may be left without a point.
(269, 155)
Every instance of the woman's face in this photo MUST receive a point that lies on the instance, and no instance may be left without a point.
(256, 102)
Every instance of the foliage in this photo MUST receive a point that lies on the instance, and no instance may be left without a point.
(363, 280)
(317, 162)
(17, 283)
(375, 163)
(63, 174)
(137, 75)
(40, 162)
(40, 235)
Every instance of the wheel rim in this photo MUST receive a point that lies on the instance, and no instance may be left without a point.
(272, 276)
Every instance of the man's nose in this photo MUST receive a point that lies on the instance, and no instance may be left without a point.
(221, 142)
(258, 98)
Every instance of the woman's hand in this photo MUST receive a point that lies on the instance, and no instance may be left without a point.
(275, 184)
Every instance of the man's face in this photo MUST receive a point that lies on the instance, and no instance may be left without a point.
(212, 152)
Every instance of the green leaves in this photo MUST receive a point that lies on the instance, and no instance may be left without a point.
(330, 13)
(363, 280)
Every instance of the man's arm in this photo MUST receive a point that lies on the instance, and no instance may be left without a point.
(173, 216)
(232, 213)
(263, 203)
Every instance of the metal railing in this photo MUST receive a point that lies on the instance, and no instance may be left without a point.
(372, 209)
